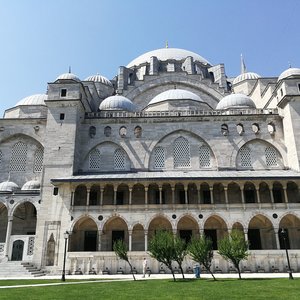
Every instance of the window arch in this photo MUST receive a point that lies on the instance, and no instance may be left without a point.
(18, 157)
(95, 159)
(138, 131)
(204, 157)
(107, 131)
(182, 153)
(119, 159)
(245, 157)
(159, 158)
(271, 157)
(38, 160)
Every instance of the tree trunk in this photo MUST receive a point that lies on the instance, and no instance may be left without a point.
(211, 273)
(239, 271)
(131, 269)
(181, 270)
(171, 269)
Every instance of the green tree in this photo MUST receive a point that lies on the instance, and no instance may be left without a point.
(234, 248)
(120, 249)
(180, 251)
(161, 247)
(201, 251)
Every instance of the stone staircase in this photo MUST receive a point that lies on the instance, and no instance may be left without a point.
(18, 269)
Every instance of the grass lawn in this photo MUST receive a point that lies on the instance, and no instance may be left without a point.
(231, 289)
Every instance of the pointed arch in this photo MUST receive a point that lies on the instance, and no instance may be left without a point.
(84, 235)
(24, 219)
(115, 228)
(261, 234)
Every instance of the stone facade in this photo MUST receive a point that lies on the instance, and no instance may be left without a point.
(133, 166)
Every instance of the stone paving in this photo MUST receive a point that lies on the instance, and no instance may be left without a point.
(128, 277)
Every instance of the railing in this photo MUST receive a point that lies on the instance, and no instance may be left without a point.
(201, 206)
(185, 113)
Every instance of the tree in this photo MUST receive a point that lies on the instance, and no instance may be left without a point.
(180, 251)
(121, 251)
(161, 247)
(201, 251)
(234, 248)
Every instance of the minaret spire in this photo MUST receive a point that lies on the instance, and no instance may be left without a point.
(243, 65)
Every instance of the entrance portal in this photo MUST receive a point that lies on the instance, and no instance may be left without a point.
(17, 252)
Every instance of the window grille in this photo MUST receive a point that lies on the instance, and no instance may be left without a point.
(204, 157)
(159, 158)
(182, 153)
(38, 160)
(18, 157)
(119, 159)
(271, 157)
(95, 159)
(245, 156)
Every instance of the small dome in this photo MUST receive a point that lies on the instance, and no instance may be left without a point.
(289, 73)
(245, 76)
(38, 99)
(236, 101)
(164, 54)
(31, 185)
(8, 186)
(175, 94)
(67, 76)
(117, 102)
(99, 78)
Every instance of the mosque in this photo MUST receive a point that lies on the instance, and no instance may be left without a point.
(170, 142)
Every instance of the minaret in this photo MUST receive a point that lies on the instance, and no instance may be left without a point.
(243, 65)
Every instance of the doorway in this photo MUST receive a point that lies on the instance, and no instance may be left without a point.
(17, 252)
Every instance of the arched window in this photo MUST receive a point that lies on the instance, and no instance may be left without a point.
(107, 131)
(182, 153)
(245, 157)
(119, 159)
(271, 157)
(138, 131)
(95, 159)
(159, 158)
(18, 157)
(204, 157)
(38, 160)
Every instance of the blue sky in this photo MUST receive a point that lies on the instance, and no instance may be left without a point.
(39, 40)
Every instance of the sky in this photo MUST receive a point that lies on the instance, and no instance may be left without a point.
(39, 40)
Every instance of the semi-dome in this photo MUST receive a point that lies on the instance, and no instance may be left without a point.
(117, 102)
(38, 99)
(67, 76)
(175, 94)
(245, 76)
(8, 186)
(236, 101)
(31, 185)
(99, 78)
(289, 73)
(164, 54)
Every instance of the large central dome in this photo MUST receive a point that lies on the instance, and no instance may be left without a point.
(166, 54)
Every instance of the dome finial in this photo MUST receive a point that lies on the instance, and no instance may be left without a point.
(290, 65)
(167, 44)
(70, 70)
(243, 65)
